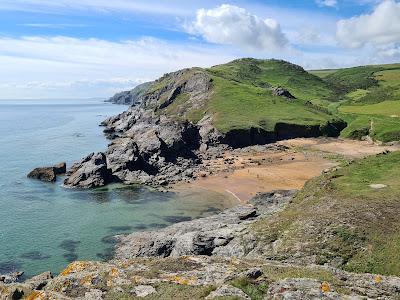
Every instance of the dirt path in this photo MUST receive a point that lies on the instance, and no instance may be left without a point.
(243, 173)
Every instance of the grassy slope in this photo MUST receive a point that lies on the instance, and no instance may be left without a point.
(241, 98)
(368, 95)
(339, 216)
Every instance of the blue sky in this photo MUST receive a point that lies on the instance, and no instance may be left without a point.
(94, 48)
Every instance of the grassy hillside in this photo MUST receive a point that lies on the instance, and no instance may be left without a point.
(369, 101)
(242, 96)
(339, 218)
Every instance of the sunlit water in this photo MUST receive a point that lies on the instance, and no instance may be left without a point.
(43, 226)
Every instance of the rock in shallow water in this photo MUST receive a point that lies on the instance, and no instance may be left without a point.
(47, 174)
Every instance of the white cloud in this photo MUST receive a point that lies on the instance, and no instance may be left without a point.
(232, 25)
(71, 67)
(328, 3)
(380, 27)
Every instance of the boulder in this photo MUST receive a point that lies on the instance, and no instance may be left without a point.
(47, 174)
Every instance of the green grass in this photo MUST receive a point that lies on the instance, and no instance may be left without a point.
(255, 290)
(240, 106)
(386, 108)
(322, 73)
(265, 73)
(339, 216)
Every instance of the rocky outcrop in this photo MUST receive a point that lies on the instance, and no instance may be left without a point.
(132, 97)
(225, 234)
(48, 174)
(281, 92)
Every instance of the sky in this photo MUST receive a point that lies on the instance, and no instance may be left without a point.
(94, 48)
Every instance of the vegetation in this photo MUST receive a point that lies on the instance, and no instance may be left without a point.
(340, 218)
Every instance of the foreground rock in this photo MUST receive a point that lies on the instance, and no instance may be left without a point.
(204, 277)
(48, 174)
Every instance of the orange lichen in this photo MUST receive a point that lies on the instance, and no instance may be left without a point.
(378, 279)
(181, 280)
(35, 296)
(325, 287)
(76, 266)
(114, 272)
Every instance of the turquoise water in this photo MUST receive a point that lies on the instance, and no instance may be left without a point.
(43, 226)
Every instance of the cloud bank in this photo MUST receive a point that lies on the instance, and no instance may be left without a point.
(232, 25)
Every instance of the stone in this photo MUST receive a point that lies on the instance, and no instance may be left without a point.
(377, 186)
(143, 290)
(46, 174)
(228, 291)
(253, 273)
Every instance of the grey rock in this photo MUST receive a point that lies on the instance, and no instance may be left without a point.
(223, 234)
(228, 291)
(253, 273)
(90, 172)
(143, 290)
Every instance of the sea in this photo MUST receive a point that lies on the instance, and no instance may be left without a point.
(44, 226)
